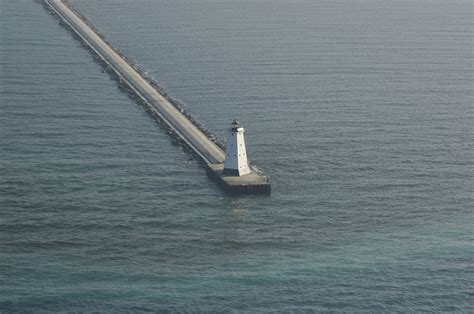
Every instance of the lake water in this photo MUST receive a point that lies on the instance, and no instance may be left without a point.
(360, 111)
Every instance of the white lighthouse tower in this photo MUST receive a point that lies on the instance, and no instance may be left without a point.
(235, 163)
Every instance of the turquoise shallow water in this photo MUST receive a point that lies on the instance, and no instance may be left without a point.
(360, 111)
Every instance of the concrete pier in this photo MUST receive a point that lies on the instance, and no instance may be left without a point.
(207, 150)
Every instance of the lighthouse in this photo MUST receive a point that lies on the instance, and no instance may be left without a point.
(236, 163)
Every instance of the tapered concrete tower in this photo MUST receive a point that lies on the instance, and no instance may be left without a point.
(236, 163)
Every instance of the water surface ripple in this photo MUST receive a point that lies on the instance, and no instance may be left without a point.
(360, 111)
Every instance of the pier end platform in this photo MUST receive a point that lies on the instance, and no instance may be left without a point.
(252, 183)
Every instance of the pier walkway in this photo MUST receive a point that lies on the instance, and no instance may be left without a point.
(195, 138)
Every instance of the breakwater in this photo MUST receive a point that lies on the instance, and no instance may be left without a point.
(158, 104)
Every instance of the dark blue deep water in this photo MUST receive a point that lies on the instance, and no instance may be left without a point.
(361, 111)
